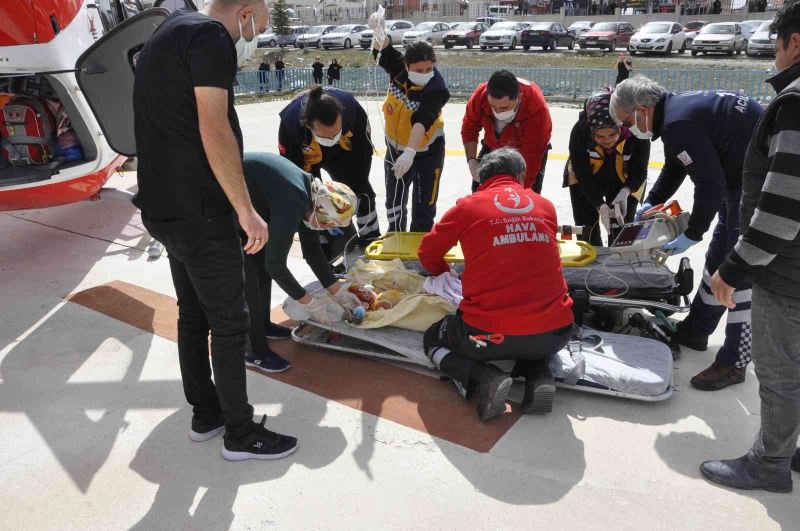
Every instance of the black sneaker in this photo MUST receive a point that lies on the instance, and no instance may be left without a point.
(492, 392)
(540, 389)
(699, 343)
(275, 331)
(203, 430)
(270, 362)
(260, 443)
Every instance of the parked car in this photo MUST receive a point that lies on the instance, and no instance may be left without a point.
(272, 39)
(395, 29)
(465, 34)
(547, 35)
(762, 41)
(719, 37)
(607, 35)
(691, 29)
(490, 21)
(433, 32)
(661, 37)
(581, 26)
(342, 36)
(749, 27)
(504, 34)
(312, 37)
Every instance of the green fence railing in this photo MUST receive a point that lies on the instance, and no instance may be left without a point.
(575, 83)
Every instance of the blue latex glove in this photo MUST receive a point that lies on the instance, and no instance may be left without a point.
(642, 209)
(679, 245)
(336, 232)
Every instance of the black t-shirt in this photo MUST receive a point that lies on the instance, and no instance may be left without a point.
(318, 67)
(188, 50)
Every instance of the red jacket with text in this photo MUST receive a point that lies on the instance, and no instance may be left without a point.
(512, 282)
(529, 131)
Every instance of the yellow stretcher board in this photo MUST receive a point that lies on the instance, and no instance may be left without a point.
(404, 245)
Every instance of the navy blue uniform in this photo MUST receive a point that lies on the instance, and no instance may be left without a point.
(348, 162)
(706, 135)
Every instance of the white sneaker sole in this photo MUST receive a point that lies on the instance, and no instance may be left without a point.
(243, 456)
(201, 437)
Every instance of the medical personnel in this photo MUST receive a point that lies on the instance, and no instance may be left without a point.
(293, 202)
(327, 129)
(705, 135)
(193, 199)
(413, 127)
(606, 171)
(768, 253)
(511, 112)
(515, 305)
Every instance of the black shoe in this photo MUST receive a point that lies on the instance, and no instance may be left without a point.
(493, 389)
(270, 362)
(260, 443)
(203, 430)
(796, 461)
(744, 474)
(699, 343)
(540, 389)
(275, 331)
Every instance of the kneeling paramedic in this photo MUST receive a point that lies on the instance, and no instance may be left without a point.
(512, 112)
(515, 305)
(413, 127)
(327, 129)
(606, 171)
(705, 135)
(292, 201)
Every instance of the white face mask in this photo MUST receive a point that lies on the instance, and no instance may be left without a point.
(327, 142)
(420, 79)
(245, 49)
(505, 116)
(643, 135)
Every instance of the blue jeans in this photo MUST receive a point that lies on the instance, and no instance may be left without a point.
(424, 174)
(776, 357)
(706, 311)
(205, 258)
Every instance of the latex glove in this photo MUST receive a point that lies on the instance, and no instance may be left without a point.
(642, 209)
(377, 24)
(296, 310)
(324, 309)
(453, 273)
(404, 162)
(604, 211)
(679, 245)
(622, 200)
(346, 299)
(473, 169)
(335, 232)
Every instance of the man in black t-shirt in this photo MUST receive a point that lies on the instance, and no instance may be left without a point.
(279, 71)
(191, 194)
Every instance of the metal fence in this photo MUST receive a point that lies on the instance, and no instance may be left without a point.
(571, 83)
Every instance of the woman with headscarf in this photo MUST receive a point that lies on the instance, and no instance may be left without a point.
(606, 170)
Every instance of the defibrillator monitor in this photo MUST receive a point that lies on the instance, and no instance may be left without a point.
(644, 239)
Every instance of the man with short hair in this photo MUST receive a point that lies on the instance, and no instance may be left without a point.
(705, 136)
(515, 305)
(192, 195)
(512, 113)
(768, 254)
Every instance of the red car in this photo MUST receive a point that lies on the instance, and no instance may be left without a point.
(607, 35)
(464, 34)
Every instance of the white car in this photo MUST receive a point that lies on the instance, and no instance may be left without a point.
(342, 36)
(432, 32)
(661, 37)
(581, 26)
(504, 35)
(762, 42)
(395, 30)
(749, 27)
(720, 37)
(311, 38)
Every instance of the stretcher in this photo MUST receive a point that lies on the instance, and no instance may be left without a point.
(620, 366)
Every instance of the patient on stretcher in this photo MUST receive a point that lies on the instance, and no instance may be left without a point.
(515, 304)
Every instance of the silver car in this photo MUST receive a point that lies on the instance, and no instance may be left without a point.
(762, 42)
(720, 37)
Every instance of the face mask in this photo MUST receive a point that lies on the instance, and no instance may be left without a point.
(643, 135)
(246, 49)
(327, 142)
(505, 116)
(420, 79)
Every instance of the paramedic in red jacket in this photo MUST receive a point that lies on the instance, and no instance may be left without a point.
(512, 113)
(515, 305)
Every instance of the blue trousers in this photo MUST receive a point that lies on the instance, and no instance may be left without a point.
(706, 311)
(424, 174)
